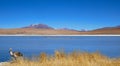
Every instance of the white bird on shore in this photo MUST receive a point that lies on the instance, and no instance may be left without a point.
(15, 55)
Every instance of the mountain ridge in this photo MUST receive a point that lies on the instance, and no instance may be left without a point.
(42, 29)
(39, 26)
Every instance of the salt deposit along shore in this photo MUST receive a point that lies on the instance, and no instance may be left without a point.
(3, 63)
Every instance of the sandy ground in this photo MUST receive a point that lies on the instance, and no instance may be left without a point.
(3, 63)
(58, 32)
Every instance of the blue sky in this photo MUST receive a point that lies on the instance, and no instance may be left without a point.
(74, 14)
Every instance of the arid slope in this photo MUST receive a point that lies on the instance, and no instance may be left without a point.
(41, 29)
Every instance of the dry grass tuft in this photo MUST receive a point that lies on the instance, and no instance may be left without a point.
(72, 59)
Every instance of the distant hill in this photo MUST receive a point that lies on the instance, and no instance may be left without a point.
(67, 29)
(39, 26)
(42, 29)
(107, 30)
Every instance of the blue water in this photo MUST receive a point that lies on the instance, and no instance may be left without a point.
(34, 45)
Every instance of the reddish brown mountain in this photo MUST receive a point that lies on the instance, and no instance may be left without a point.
(39, 26)
(67, 29)
(42, 29)
(107, 30)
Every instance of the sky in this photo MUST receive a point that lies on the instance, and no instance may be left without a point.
(73, 14)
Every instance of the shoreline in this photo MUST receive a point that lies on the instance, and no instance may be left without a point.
(56, 35)
(4, 63)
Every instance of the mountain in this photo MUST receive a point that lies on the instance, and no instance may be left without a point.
(67, 29)
(39, 26)
(44, 26)
(42, 29)
(107, 30)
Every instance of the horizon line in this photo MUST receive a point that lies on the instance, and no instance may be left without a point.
(58, 35)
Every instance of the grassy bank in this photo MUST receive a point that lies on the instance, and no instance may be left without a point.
(71, 59)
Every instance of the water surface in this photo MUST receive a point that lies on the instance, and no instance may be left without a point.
(34, 45)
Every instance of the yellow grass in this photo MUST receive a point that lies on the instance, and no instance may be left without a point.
(71, 59)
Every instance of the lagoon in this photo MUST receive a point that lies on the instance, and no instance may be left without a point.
(34, 45)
